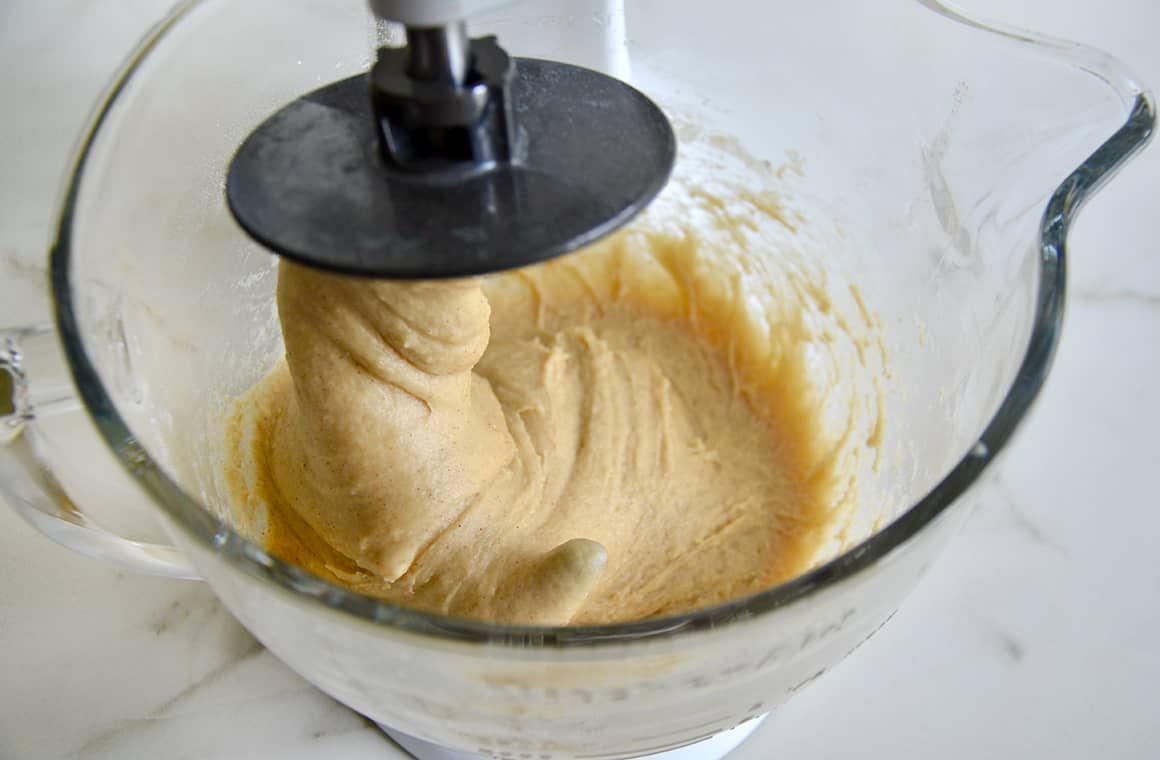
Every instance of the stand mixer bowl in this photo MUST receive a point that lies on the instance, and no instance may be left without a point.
(941, 154)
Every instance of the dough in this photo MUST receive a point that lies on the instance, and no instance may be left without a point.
(604, 438)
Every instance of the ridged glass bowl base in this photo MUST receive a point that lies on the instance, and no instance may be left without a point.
(714, 748)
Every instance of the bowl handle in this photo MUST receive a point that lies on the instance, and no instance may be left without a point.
(27, 479)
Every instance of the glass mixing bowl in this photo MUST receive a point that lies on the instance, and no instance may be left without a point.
(938, 158)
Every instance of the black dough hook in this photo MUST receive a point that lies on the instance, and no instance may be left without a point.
(448, 159)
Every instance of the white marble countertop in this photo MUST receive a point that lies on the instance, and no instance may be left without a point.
(1036, 634)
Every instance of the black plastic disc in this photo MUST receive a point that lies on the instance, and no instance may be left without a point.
(309, 183)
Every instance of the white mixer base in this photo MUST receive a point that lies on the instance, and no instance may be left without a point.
(714, 748)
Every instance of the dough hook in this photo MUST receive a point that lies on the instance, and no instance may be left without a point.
(449, 157)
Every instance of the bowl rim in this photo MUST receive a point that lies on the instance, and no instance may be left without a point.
(216, 535)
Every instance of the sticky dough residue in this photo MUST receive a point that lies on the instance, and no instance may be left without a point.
(672, 418)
